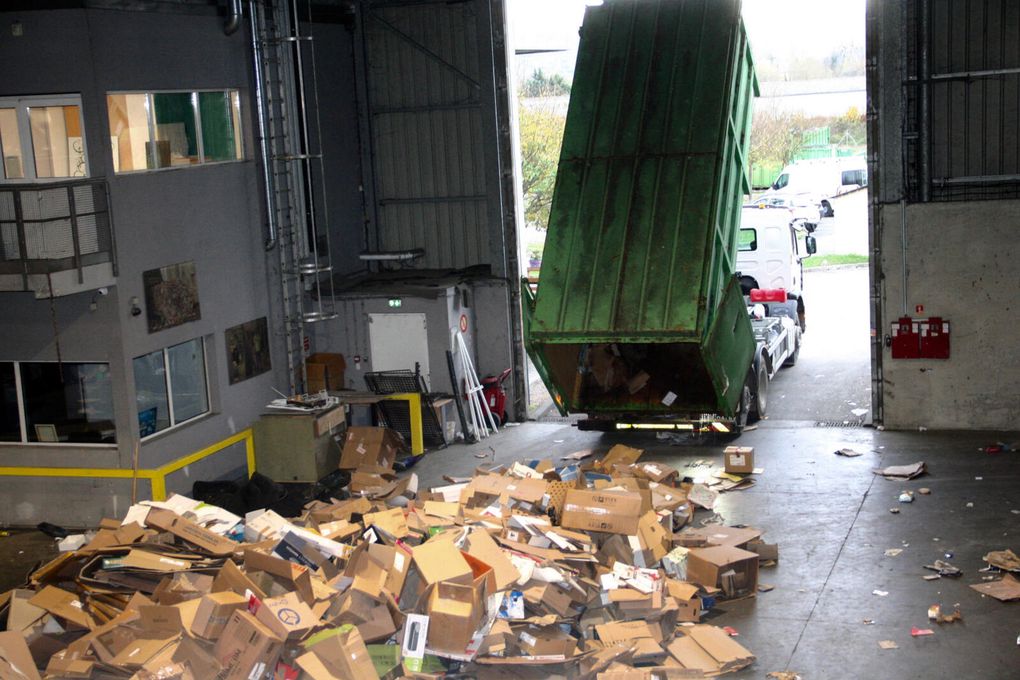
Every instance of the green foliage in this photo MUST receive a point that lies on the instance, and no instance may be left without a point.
(830, 260)
(541, 136)
(540, 85)
(777, 136)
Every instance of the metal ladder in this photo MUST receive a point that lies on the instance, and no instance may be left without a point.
(304, 263)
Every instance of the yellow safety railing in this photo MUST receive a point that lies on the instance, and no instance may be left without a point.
(156, 477)
(413, 400)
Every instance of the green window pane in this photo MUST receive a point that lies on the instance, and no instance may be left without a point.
(218, 130)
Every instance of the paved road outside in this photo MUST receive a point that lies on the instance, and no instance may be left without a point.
(832, 378)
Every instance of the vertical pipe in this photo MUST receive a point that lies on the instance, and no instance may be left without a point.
(874, 105)
(924, 129)
(261, 112)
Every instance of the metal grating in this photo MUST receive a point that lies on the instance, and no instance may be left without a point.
(395, 414)
(840, 423)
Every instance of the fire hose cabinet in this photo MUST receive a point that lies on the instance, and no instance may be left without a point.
(906, 338)
(935, 338)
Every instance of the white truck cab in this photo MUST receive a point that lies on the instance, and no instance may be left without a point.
(769, 254)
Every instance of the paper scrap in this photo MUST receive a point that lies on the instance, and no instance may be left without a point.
(848, 453)
(893, 552)
(902, 472)
(888, 644)
(880, 593)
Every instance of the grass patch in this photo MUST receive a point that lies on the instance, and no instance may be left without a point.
(829, 260)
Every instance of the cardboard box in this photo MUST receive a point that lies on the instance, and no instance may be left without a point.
(614, 512)
(732, 570)
(739, 460)
(16, 660)
(287, 616)
(214, 611)
(325, 371)
(710, 650)
(63, 604)
(247, 648)
(546, 641)
(343, 653)
(455, 612)
(370, 446)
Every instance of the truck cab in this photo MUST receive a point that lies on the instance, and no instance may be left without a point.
(769, 255)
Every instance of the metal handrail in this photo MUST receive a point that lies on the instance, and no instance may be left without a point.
(16, 248)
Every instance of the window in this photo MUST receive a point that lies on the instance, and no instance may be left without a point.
(855, 178)
(171, 386)
(747, 240)
(150, 130)
(42, 138)
(781, 181)
(49, 402)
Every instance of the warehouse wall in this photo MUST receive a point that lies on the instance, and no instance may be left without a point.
(954, 254)
(211, 215)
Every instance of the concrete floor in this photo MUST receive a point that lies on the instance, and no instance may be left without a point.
(830, 516)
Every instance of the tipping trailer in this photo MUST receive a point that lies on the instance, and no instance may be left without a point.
(638, 319)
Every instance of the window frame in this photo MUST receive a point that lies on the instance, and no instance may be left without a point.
(753, 243)
(23, 416)
(168, 381)
(150, 114)
(21, 105)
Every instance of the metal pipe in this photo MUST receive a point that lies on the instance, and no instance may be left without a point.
(925, 108)
(234, 16)
(873, 22)
(903, 251)
(261, 112)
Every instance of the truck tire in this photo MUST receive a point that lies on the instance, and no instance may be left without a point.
(760, 400)
(740, 419)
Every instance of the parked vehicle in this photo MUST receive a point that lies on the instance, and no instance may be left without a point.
(814, 182)
(638, 320)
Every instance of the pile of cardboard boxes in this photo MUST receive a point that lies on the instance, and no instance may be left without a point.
(586, 570)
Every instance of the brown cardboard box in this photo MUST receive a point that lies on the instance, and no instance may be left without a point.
(432, 562)
(546, 641)
(325, 371)
(63, 604)
(287, 616)
(368, 446)
(614, 512)
(733, 570)
(482, 546)
(454, 611)
(247, 648)
(213, 612)
(710, 650)
(619, 455)
(739, 460)
(342, 651)
(687, 598)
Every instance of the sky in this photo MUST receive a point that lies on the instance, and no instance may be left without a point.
(779, 28)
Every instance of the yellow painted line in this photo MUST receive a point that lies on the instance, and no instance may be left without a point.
(157, 477)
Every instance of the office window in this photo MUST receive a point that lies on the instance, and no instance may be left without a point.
(42, 138)
(49, 402)
(154, 130)
(171, 386)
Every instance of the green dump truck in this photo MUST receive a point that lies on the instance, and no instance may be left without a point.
(638, 319)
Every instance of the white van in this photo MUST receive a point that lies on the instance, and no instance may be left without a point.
(825, 177)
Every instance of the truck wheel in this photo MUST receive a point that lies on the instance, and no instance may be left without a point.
(759, 404)
(743, 408)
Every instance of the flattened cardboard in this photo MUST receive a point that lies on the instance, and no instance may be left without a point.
(63, 604)
(625, 631)
(16, 661)
(1005, 589)
(365, 446)
(546, 641)
(166, 520)
(618, 455)
(297, 577)
(614, 512)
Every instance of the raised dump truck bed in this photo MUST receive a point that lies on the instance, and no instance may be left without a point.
(637, 315)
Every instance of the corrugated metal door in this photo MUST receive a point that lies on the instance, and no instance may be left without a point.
(431, 113)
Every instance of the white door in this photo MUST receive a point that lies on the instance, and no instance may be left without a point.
(397, 341)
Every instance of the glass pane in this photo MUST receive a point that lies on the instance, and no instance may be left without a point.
(235, 105)
(10, 427)
(57, 142)
(10, 145)
(747, 240)
(129, 131)
(218, 126)
(150, 394)
(176, 142)
(68, 402)
(187, 380)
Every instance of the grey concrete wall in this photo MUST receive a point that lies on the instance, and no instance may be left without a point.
(960, 265)
(211, 215)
